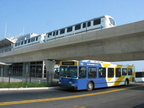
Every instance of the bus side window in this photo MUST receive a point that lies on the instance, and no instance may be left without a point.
(124, 71)
(82, 72)
(102, 72)
(118, 72)
(110, 72)
(129, 71)
(92, 72)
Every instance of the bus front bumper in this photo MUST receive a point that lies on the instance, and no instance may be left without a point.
(68, 86)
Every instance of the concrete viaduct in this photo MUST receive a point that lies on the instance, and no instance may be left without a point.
(120, 43)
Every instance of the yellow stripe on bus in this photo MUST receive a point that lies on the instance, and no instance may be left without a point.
(119, 80)
(105, 65)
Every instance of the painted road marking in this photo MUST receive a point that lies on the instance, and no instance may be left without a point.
(61, 98)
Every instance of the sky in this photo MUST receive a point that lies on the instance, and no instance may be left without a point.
(41, 16)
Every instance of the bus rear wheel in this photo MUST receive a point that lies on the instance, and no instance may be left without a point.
(126, 82)
(90, 86)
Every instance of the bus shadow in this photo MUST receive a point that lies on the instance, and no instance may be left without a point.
(140, 87)
(94, 90)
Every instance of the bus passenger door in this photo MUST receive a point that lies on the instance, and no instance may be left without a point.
(82, 82)
(101, 78)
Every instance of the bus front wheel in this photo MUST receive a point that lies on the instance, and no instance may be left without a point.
(90, 86)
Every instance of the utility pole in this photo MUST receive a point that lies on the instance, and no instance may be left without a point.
(5, 29)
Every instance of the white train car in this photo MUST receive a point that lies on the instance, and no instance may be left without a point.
(26, 41)
(86, 26)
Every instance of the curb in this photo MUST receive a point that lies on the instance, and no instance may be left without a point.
(139, 83)
(33, 88)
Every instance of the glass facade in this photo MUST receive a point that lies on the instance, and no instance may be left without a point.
(5, 48)
(17, 69)
(35, 69)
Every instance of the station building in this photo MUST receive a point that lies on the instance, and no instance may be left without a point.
(36, 69)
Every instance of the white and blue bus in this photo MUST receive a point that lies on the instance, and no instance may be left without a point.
(90, 74)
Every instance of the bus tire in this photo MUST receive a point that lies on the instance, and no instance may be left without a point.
(90, 86)
(126, 82)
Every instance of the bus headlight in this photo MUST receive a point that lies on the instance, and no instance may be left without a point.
(70, 82)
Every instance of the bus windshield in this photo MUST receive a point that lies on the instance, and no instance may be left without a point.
(68, 71)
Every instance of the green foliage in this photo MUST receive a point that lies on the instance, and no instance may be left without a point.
(24, 85)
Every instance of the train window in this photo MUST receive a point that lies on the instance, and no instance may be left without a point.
(129, 71)
(18, 43)
(124, 71)
(21, 42)
(69, 29)
(15, 44)
(110, 72)
(96, 22)
(36, 38)
(89, 24)
(84, 25)
(49, 34)
(78, 26)
(62, 31)
(112, 21)
(28, 40)
(54, 33)
(118, 72)
(102, 72)
(32, 39)
(25, 41)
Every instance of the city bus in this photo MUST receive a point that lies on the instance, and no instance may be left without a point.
(90, 74)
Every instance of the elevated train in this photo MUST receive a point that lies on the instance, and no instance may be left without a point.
(86, 26)
(83, 27)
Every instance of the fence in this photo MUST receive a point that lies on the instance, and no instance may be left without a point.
(12, 78)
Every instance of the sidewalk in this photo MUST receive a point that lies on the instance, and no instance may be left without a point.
(23, 79)
(140, 82)
(45, 88)
(30, 88)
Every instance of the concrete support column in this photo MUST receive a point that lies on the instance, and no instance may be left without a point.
(50, 69)
(43, 67)
(26, 71)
